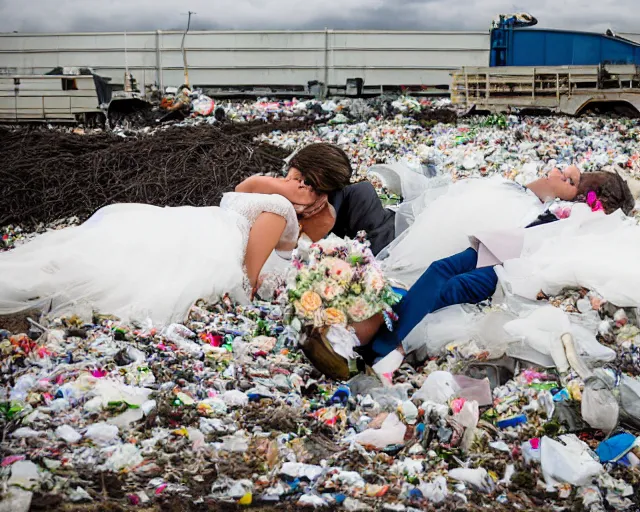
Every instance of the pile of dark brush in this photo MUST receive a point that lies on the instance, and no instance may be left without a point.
(47, 175)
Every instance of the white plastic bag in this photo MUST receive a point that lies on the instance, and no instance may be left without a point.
(588, 348)
(102, 433)
(391, 432)
(567, 463)
(436, 491)
(68, 434)
(477, 478)
(439, 387)
(25, 474)
(469, 415)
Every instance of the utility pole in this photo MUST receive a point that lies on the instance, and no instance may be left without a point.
(184, 52)
(127, 80)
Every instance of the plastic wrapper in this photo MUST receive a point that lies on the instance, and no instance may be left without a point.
(478, 390)
(439, 387)
(25, 474)
(391, 432)
(599, 406)
(16, 500)
(68, 434)
(342, 341)
(101, 433)
(435, 491)
(477, 478)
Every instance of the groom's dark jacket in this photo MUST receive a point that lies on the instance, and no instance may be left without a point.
(358, 208)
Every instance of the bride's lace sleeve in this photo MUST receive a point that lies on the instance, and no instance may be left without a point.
(250, 206)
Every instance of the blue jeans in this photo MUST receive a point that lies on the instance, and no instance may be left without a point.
(452, 280)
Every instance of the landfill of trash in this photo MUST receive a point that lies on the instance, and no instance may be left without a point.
(224, 412)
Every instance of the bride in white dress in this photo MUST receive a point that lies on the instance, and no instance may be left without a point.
(138, 261)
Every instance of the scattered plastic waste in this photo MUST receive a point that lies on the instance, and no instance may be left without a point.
(224, 410)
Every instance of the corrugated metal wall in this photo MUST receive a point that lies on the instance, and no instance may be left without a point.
(228, 58)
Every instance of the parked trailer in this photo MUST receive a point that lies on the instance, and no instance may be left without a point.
(48, 98)
(561, 89)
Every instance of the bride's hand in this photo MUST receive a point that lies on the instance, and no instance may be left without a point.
(307, 211)
(257, 286)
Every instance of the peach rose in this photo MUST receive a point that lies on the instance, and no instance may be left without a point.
(310, 301)
(334, 316)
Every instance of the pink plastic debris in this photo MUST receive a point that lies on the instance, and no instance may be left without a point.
(7, 461)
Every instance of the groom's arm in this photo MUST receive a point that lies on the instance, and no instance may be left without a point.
(293, 190)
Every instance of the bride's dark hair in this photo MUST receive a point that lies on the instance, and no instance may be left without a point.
(324, 166)
(612, 191)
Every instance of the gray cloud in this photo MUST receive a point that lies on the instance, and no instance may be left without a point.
(130, 15)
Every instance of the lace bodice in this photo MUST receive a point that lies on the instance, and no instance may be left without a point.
(250, 206)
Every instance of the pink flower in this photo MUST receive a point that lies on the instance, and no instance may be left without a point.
(339, 269)
(374, 281)
(359, 310)
(329, 290)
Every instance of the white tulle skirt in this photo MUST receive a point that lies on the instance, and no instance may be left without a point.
(444, 217)
(589, 249)
(134, 261)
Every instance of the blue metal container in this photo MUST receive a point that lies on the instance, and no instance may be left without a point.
(544, 47)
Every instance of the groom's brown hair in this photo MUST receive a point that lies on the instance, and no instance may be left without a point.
(324, 166)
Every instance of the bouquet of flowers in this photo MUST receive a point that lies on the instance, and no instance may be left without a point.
(337, 282)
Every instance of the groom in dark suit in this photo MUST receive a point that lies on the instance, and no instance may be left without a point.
(326, 169)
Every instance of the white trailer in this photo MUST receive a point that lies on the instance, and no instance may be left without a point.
(47, 98)
(561, 89)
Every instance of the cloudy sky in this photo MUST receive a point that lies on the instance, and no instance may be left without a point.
(130, 15)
